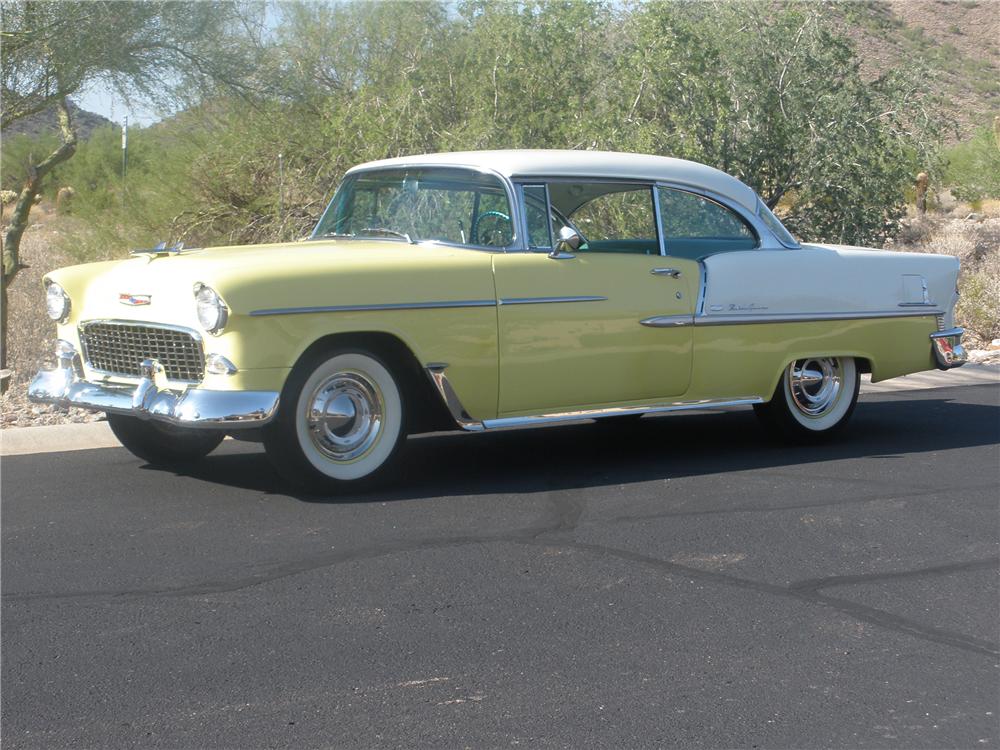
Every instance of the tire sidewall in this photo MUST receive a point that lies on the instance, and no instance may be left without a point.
(290, 448)
(841, 411)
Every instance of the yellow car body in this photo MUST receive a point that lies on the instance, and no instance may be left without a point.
(518, 334)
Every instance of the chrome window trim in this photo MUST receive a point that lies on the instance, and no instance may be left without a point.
(661, 236)
(534, 181)
(755, 226)
(755, 222)
(433, 305)
(85, 358)
(517, 241)
(548, 215)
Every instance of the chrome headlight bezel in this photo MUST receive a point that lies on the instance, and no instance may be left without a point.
(57, 302)
(213, 314)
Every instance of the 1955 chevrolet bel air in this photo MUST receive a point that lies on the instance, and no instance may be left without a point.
(491, 289)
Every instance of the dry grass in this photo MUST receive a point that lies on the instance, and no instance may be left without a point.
(976, 243)
(31, 331)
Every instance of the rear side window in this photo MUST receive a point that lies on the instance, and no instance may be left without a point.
(694, 226)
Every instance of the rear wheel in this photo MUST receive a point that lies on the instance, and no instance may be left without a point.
(814, 400)
(340, 424)
(163, 444)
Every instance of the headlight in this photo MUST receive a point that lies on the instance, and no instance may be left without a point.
(56, 302)
(212, 311)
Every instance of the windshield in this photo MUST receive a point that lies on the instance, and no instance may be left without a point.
(775, 225)
(432, 204)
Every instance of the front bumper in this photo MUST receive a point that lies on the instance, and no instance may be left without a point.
(948, 349)
(151, 398)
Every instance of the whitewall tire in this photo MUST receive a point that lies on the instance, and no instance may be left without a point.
(814, 399)
(340, 424)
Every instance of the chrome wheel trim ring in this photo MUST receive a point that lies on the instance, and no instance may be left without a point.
(344, 416)
(815, 385)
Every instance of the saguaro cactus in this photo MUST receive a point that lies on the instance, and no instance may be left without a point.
(922, 180)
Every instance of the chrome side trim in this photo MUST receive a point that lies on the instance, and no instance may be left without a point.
(435, 371)
(667, 321)
(729, 320)
(573, 416)
(436, 305)
(918, 304)
(548, 300)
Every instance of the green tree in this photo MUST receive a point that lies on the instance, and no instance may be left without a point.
(53, 50)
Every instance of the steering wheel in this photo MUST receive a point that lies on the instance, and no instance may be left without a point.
(474, 230)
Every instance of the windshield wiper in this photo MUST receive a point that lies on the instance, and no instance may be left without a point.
(385, 231)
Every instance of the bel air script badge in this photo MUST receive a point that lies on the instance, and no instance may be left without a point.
(135, 299)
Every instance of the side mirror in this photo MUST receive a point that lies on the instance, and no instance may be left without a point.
(567, 244)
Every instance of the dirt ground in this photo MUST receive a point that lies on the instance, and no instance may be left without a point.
(976, 241)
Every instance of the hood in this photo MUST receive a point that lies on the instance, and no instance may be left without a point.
(161, 287)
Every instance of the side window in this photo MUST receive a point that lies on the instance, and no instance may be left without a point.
(694, 227)
(612, 217)
(536, 203)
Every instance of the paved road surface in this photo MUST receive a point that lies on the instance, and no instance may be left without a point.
(680, 582)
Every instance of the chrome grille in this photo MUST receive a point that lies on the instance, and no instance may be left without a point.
(119, 348)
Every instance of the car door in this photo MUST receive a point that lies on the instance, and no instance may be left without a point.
(606, 325)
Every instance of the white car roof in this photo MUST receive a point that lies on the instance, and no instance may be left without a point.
(537, 163)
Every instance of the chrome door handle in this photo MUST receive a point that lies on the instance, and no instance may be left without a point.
(671, 272)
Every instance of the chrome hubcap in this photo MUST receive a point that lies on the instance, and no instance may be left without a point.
(815, 385)
(344, 415)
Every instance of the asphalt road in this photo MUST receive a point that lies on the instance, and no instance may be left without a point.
(680, 582)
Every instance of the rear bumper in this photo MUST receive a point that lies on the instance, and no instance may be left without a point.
(151, 399)
(948, 349)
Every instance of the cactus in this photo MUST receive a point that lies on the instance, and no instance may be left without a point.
(922, 180)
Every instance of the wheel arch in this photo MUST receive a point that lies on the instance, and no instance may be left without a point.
(862, 361)
(427, 411)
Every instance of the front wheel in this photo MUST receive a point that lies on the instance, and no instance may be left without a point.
(163, 444)
(814, 399)
(340, 423)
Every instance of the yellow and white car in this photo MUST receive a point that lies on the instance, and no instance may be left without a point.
(485, 290)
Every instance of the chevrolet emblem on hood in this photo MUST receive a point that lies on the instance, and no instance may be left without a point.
(135, 299)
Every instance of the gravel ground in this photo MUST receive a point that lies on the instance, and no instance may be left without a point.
(31, 331)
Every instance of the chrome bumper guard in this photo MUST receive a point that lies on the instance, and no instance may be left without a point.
(151, 399)
(948, 349)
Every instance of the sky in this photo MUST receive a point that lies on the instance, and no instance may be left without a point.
(104, 101)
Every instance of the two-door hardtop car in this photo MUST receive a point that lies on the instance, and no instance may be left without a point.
(491, 289)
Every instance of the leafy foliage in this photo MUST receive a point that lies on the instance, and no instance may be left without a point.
(770, 93)
(973, 167)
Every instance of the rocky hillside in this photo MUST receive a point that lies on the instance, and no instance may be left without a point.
(45, 122)
(958, 41)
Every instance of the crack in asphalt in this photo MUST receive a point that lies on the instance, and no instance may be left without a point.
(563, 516)
(776, 508)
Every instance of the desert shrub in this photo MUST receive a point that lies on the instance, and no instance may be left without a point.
(973, 167)
(979, 304)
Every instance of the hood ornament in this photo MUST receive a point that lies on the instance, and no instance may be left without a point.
(161, 249)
